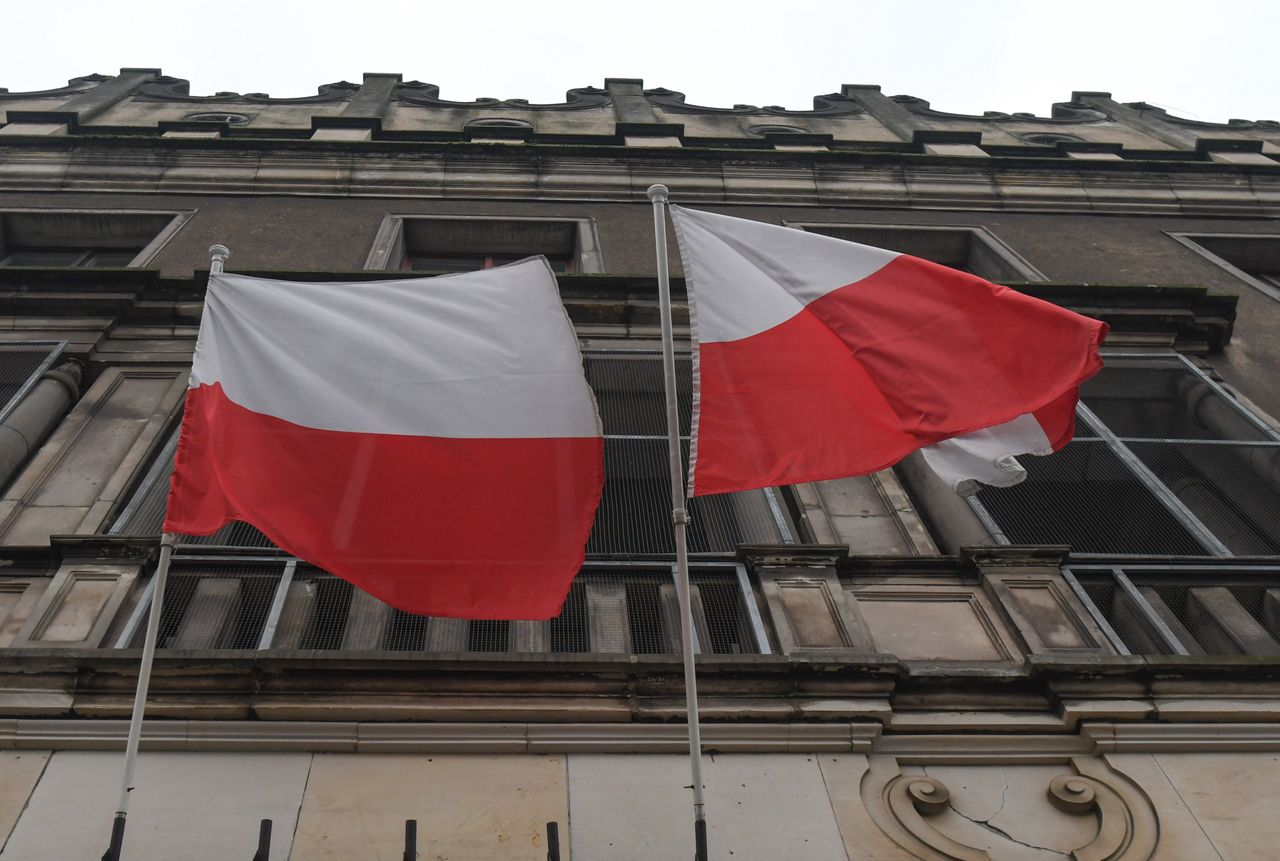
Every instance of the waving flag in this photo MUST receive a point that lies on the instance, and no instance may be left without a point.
(820, 358)
(431, 440)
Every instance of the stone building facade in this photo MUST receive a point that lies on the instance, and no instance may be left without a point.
(1084, 666)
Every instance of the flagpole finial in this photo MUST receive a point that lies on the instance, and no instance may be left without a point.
(658, 193)
(220, 253)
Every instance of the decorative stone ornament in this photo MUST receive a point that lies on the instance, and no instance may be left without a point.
(1088, 813)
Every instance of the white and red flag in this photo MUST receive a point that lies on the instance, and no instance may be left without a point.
(819, 358)
(431, 440)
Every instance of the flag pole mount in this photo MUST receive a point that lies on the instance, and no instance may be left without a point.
(140, 697)
(679, 517)
(219, 255)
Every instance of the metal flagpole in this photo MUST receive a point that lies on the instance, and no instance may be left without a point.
(220, 254)
(679, 518)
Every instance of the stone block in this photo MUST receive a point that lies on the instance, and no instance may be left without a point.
(1224, 627)
(19, 773)
(467, 806)
(759, 806)
(1232, 797)
(193, 806)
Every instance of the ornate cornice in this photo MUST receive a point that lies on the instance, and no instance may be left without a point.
(829, 105)
(1063, 113)
(428, 96)
(1229, 125)
(74, 87)
(168, 89)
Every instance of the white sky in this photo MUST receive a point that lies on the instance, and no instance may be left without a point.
(1202, 61)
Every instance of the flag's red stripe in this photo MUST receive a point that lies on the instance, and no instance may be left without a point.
(870, 372)
(506, 520)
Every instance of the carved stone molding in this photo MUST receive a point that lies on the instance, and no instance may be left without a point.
(74, 87)
(170, 89)
(1088, 812)
(428, 96)
(829, 105)
(1232, 125)
(1063, 112)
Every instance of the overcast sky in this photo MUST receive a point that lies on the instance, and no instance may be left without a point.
(1202, 61)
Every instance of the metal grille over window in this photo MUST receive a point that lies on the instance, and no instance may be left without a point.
(635, 513)
(21, 365)
(1165, 462)
(611, 610)
(1184, 610)
(634, 517)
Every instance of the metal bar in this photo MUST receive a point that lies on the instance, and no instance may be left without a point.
(1234, 443)
(34, 377)
(277, 605)
(553, 841)
(679, 516)
(264, 841)
(1227, 396)
(753, 610)
(1148, 614)
(675, 578)
(1117, 642)
(135, 618)
(227, 558)
(1188, 569)
(988, 522)
(410, 840)
(140, 695)
(779, 516)
(1198, 530)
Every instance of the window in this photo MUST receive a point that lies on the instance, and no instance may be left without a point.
(971, 249)
(1250, 257)
(635, 512)
(1165, 462)
(84, 238)
(21, 365)
(465, 243)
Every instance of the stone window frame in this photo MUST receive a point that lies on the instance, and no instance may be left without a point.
(388, 245)
(1190, 240)
(1004, 253)
(178, 218)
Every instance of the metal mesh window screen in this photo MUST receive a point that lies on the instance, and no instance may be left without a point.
(1167, 432)
(1163, 399)
(635, 511)
(1206, 611)
(214, 606)
(608, 611)
(21, 364)
(1086, 497)
(724, 614)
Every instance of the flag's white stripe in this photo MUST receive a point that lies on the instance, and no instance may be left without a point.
(987, 455)
(750, 277)
(480, 355)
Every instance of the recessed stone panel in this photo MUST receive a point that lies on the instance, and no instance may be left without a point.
(930, 623)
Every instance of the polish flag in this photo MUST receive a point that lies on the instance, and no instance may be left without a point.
(431, 440)
(819, 358)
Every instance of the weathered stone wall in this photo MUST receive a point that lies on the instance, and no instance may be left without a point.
(960, 799)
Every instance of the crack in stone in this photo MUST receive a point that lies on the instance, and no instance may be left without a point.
(994, 829)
